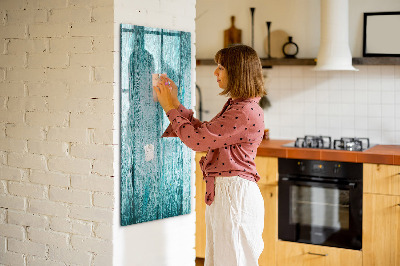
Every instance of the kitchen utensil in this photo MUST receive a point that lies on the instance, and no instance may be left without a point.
(252, 9)
(269, 38)
(232, 35)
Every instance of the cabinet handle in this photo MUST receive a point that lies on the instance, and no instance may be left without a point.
(318, 254)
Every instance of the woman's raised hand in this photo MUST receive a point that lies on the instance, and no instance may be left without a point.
(164, 94)
(174, 92)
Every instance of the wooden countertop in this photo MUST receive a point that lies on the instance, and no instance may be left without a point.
(379, 154)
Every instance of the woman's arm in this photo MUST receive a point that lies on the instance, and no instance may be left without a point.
(225, 130)
(188, 114)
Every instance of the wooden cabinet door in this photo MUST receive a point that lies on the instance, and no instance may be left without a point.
(297, 254)
(200, 209)
(270, 233)
(381, 230)
(267, 168)
(381, 179)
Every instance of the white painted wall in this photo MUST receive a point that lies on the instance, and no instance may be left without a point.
(299, 18)
(338, 104)
(168, 241)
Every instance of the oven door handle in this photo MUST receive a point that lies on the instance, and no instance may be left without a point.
(329, 184)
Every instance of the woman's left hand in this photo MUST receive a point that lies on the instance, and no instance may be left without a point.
(163, 91)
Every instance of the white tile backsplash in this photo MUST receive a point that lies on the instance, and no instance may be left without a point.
(347, 123)
(387, 71)
(389, 135)
(347, 110)
(397, 72)
(388, 111)
(397, 95)
(387, 124)
(374, 83)
(388, 83)
(322, 95)
(335, 95)
(322, 121)
(348, 95)
(374, 123)
(374, 110)
(310, 109)
(388, 97)
(361, 110)
(364, 103)
(322, 109)
(374, 97)
(361, 125)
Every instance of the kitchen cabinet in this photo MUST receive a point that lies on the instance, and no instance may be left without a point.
(270, 233)
(291, 253)
(381, 179)
(381, 230)
(200, 209)
(267, 168)
(381, 215)
(381, 221)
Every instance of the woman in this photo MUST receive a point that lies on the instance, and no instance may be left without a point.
(235, 207)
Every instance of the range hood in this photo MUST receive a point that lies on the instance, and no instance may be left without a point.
(334, 51)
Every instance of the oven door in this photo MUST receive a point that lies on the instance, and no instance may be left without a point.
(321, 212)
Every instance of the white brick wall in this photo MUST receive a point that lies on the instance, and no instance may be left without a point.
(56, 126)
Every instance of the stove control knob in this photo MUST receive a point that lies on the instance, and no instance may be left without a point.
(302, 167)
(336, 169)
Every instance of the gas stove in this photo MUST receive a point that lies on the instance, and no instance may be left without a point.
(325, 142)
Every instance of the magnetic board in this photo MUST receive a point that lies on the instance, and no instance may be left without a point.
(155, 171)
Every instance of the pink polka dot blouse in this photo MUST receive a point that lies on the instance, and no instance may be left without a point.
(231, 139)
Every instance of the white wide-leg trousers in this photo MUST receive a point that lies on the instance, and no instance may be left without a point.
(234, 223)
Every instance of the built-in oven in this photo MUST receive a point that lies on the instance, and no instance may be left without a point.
(320, 202)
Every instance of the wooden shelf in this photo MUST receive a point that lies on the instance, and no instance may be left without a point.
(267, 63)
(288, 62)
(312, 61)
(376, 61)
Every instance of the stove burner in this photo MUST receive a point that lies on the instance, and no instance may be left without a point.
(308, 141)
(324, 142)
(351, 144)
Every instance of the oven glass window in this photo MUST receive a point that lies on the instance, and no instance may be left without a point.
(318, 207)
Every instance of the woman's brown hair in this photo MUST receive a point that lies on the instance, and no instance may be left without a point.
(245, 78)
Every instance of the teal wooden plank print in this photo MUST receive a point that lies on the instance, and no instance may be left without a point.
(155, 171)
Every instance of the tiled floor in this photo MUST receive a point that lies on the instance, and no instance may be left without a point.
(199, 262)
